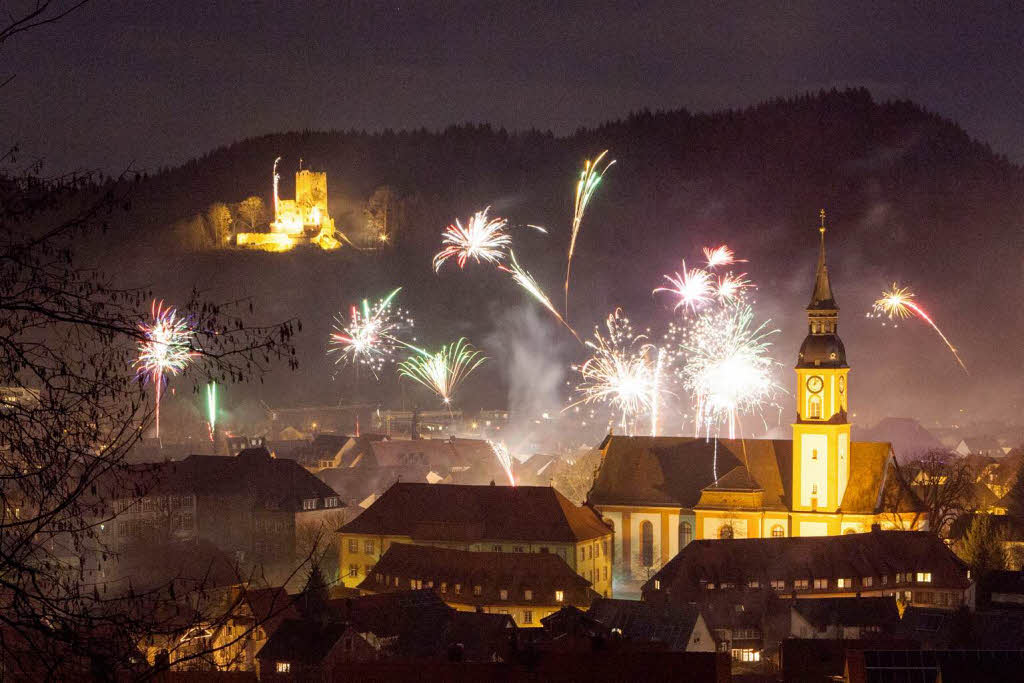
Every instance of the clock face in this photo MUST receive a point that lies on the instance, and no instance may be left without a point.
(814, 384)
(842, 384)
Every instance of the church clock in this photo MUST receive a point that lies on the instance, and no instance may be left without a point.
(814, 384)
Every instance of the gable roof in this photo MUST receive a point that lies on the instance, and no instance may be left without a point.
(673, 471)
(252, 473)
(302, 640)
(541, 573)
(877, 553)
(647, 622)
(462, 512)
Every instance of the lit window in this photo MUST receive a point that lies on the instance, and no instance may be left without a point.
(778, 584)
(309, 504)
(353, 545)
(368, 547)
(657, 584)
(899, 577)
(503, 594)
(283, 667)
(778, 531)
(331, 502)
(458, 588)
(726, 585)
(444, 586)
(753, 583)
(559, 596)
(477, 590)
(820, 584)
(801, 584)
(528, 594)
(527, 616)
(710, 586)
(353, 570)
(844, 583)
(867, 581)
(924, 577)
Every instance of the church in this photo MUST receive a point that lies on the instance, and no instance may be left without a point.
(659, 493)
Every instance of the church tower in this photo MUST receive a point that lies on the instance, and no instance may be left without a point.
(821, 433)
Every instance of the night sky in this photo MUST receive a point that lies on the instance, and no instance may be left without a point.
(153, 84)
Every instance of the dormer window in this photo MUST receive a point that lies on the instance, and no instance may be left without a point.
(309, 504)
(331, 502)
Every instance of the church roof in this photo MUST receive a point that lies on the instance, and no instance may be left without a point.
(822, 298)
(673, 471)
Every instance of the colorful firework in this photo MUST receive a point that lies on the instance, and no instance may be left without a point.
(721, 256)
(523, 278)
(898, 302)
(371, 334)
(727, 368)
(620, 373)
(504, 458)
(211, 407)
(730, 287)
(590, 178)
(442, 372)
(166, 349)
(483, 238)
(693, 287)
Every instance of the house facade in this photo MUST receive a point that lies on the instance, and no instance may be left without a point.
(494, 519)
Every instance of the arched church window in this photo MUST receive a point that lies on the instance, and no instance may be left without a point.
(685, 534)
(814, 410)
(778, 531)
(725, 531)
(814, 454)
(647, 544)
(851, 530)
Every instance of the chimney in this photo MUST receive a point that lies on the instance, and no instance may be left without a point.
(876, 527)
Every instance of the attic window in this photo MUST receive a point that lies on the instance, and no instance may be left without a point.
(657, 584)
(309, 504)
(283, 667)
(331, 502)
(503, 594)
(478, 590)
(924, 577)
(559, 596)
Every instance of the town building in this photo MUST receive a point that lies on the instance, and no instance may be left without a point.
(516, 519)
(679, 628)
(248, 506)
(659, 493)
(525, 586)
(913, 566)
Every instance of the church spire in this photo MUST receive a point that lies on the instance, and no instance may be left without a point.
(821, 298)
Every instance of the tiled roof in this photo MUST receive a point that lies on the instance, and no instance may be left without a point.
(524, 513)
(823, 612)
(673, 471)
(251, 473)
(646, 622)
(515, 573)
(876, 554)
(300, 640)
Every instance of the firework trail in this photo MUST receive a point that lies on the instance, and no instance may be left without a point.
(483, 238)
(442, 372)
(720, 256)
(898, 302)
(728, 370)
(166, 349)
(211, 407)
(620, 372)
(693, 287)
(504, 458)
(371, 334)
(590, 178)
(523, 278)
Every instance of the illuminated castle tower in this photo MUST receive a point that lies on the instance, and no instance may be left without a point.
(306, 215)
(821, 433)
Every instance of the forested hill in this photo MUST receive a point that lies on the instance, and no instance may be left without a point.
(910, 196)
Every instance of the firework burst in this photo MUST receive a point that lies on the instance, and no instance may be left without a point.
(371, 335)
(728, 370)
(443, 371)
(898, 303)
(504, 459)
(590, 178)
(720, 256)
(622, 372)
(693, 287)
(482, 239)
(165, 349)
(730, 287)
